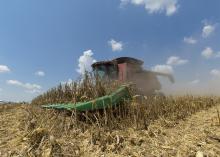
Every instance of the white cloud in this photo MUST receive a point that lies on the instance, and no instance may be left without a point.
(175, 60)
(33, 91)
(208, 30)
(163, 69)
(31, 88)
(14, 82)
(155, 6)
(215, 73)
(124, 2)
(40, 73)
(207, 53)
(190, 40)
(0, 89)
(4, 68)
(168, 67)
(69, 81)
(217, 55)
(116, 46)
(194, 82)
(85, 62)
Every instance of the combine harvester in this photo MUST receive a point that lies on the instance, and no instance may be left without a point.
(124, 69)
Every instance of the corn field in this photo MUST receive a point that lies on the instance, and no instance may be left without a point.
(110, 131)
(134, 128)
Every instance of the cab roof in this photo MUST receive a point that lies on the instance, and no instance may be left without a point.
(119, 61)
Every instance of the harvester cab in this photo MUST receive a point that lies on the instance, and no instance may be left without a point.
(127, 69)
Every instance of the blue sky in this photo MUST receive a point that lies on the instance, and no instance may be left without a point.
(41, 41)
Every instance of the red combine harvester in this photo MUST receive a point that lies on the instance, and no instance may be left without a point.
(127, 69)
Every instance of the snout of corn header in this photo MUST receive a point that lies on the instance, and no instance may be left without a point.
(107, 101)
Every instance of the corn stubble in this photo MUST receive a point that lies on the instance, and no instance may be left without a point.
(110, 132)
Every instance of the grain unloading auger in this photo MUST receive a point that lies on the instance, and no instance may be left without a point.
(126, 70)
